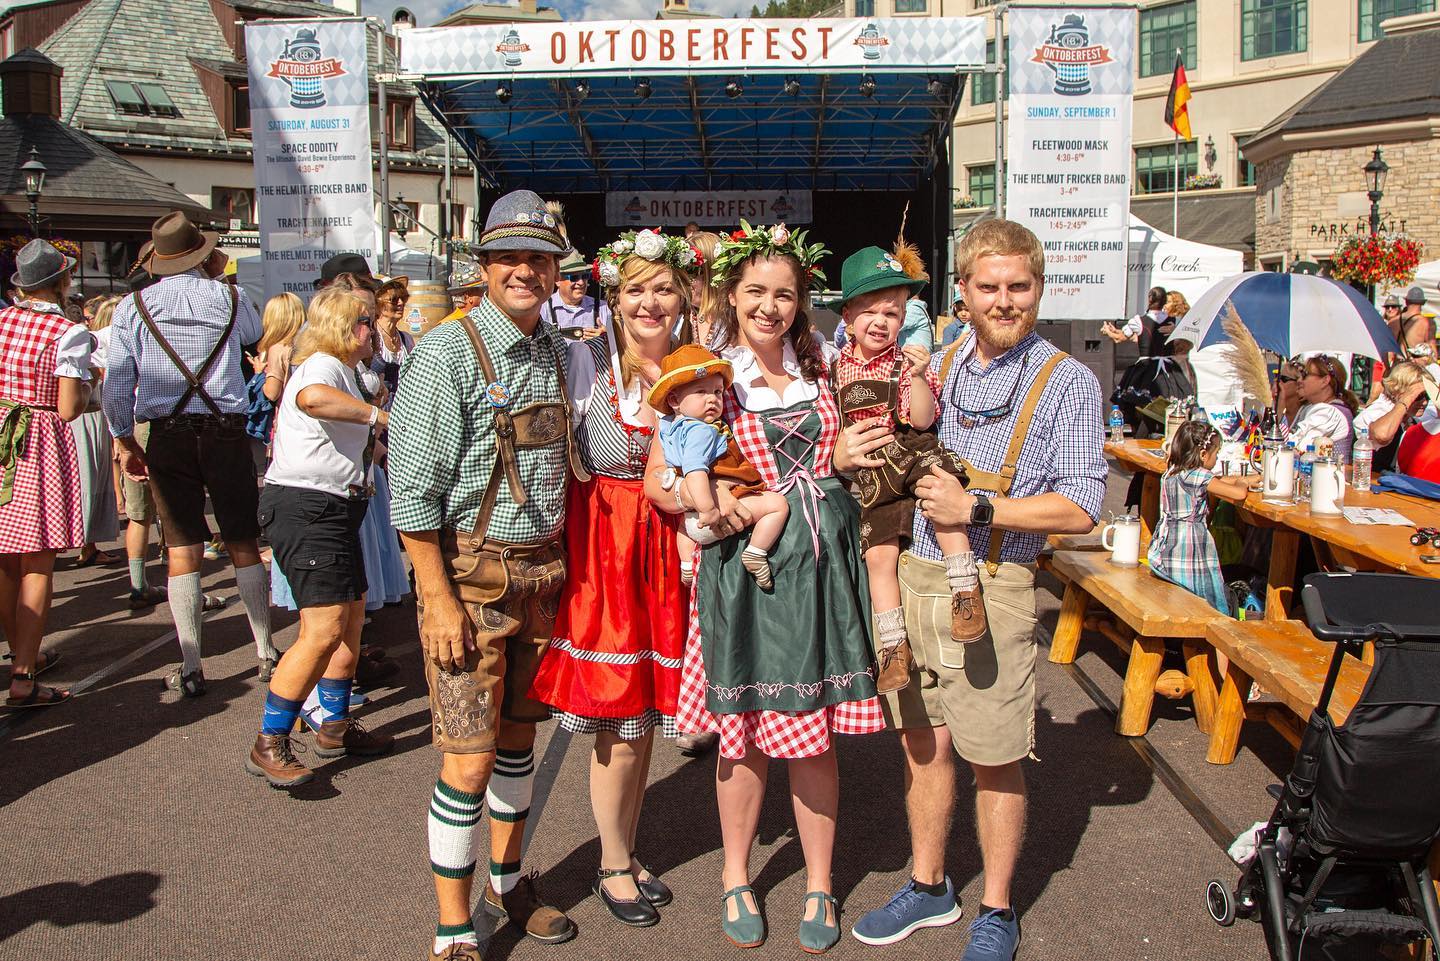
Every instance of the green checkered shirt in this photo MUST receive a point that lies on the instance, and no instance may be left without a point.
(442, 431)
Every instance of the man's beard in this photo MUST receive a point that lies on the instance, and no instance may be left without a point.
(1002, 338)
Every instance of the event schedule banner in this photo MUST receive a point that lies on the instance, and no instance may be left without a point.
(1068, 155)
(310, 125)
(709, 208)
(697, 46)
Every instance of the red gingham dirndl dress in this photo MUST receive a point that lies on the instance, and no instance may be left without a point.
(777, 734)
(45, 512)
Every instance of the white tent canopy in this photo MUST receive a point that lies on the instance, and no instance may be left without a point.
(1160, 260)
(1427, 278)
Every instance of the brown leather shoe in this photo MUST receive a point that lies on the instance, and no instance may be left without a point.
(967, 616)
(893, 668)
(273, 758)
(348, 736)
(464, 951)
(523, 906)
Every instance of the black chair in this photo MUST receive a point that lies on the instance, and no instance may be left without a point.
(1362, 803)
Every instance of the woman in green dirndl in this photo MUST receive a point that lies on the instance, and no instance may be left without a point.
(778, 670)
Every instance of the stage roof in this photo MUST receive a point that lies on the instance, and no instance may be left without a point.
(805, 116)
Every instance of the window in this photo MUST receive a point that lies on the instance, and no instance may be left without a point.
(985, 4)
(982, 89)
(1269, 28)
(401, 127)
(1373, 12)
(7, 40)
(980, 185)
(240, 108)
(238, 203)
(864, 8)
(1155, 167)
(1245, 171)
(457, 220)
(1163, 30)
(143, 98)
(910, 6)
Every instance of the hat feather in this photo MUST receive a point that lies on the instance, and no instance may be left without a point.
(908, 255)
(558, 209)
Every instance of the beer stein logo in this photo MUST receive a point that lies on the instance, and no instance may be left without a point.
(512, 47)
(1069, 54)
(870, 41)
(304, 69)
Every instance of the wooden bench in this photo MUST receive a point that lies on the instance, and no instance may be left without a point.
(1069, 542)
(1289, 663)
(1148, 610)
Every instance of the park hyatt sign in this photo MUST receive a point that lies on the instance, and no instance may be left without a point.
(1339, 229)
(711, 46)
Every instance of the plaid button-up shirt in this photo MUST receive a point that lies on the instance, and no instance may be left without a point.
(849, 368)
(1064, 450)
(442, 430)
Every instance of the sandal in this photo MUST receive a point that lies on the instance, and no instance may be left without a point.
(50, 659)
(39, 696)
(213, 602)
(97, 556)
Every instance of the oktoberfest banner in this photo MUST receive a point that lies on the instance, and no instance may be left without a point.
(1068, 158)
(708, 208)
(310, 125)
(696, 46)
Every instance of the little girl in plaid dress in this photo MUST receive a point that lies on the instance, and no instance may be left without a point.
(1182, 550)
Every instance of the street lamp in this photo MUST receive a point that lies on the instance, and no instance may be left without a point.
(34, 172)
(1375, 172)
(402, 216)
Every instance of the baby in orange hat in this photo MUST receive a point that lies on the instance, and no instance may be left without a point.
(699, 447)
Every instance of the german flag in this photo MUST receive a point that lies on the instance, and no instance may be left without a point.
(1177, 111)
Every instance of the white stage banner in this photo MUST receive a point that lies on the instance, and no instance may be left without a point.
(1068, 158)
(310, 124)
(708, 208)
(930, 44)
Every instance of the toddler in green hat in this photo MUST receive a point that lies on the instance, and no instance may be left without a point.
(877, 379)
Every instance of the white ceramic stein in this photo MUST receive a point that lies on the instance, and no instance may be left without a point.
(1327, 486)
(1121, 537)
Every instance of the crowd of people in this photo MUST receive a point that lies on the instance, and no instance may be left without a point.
(825, 535)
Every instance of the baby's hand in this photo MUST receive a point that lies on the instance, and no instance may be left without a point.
(708, 518)
(917, 358)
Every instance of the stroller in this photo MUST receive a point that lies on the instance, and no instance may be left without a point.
(1361, 806)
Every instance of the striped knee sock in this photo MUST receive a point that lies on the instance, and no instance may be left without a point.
(511, 786)
(453, 817)
(448, 934)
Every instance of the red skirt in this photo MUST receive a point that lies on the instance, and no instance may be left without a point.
(45, 512)
(620, 632)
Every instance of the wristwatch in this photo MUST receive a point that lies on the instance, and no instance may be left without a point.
(983, 513)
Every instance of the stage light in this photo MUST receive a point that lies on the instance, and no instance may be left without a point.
(733, 89)
(792, 86)
(582, 89)
(867, 87)
(936, 86)
(502, 92)
(642, 88)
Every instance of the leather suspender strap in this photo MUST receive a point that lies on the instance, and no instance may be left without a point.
(504, 426)
(948, 360)
(895, 386)
(196, 381)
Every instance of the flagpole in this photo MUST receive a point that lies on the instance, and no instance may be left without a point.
(1175, 199)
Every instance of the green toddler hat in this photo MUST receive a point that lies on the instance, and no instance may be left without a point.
(873, 269)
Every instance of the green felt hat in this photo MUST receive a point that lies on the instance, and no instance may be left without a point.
(873, 269)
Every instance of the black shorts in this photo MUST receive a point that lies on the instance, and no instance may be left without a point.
(191, 455)
(887, 494)
(316, 540)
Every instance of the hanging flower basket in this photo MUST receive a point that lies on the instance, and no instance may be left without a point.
(1378, 260)
(1202, 182)
(67, 247)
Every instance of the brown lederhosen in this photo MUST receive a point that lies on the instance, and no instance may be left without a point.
(1000, 482)
(737, 472)
(511, 592)
(887, 494)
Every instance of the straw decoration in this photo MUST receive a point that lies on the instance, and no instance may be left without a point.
(1245, 354)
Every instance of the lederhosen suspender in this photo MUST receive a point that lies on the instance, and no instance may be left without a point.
(1000, 482)
(196, 381)
(864, 394)
(537, 425)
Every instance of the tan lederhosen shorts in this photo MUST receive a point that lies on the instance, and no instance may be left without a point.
(512, 632)
(984, 691)
(139, 505)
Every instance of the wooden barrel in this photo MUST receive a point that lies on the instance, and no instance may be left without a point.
(428, 305)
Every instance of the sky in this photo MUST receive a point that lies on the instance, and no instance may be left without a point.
(427, 12)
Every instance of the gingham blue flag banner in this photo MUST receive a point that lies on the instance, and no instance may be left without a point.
(310, 123)
(697, 46)
(1068, 150)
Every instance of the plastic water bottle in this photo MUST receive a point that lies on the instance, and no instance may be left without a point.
(1307, 468)
(1117, 426)
(1361, 456)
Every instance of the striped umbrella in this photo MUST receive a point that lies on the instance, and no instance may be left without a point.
(1290, 314)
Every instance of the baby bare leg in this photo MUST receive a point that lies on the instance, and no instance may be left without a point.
(769, 512)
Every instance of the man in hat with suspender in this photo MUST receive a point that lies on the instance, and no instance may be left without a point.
(1025, 419)
(480, 450)
(174, 363)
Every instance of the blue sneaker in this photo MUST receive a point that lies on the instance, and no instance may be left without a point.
(993, 938)
(908, 911)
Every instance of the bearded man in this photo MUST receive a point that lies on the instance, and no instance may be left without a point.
(1026, 419)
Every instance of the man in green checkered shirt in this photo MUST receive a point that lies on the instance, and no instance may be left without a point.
(479, 453)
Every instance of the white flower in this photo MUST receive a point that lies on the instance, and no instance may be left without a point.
(687, 255)
(622, 247)
(650, 245)
(609, 273)
(780, 234)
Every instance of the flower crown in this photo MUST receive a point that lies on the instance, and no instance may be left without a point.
(652, 245)
(749, 241)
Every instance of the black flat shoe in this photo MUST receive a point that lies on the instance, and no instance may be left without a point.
(636, 912)
(656, 891)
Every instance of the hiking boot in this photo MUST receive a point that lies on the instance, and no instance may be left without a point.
(189, 685)
(460, 951)
(273, 758)
(523, 907)
(372, 668)
(967, 616)
(347, 736)
(893, 666)
(908, 911)
(994, 936)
